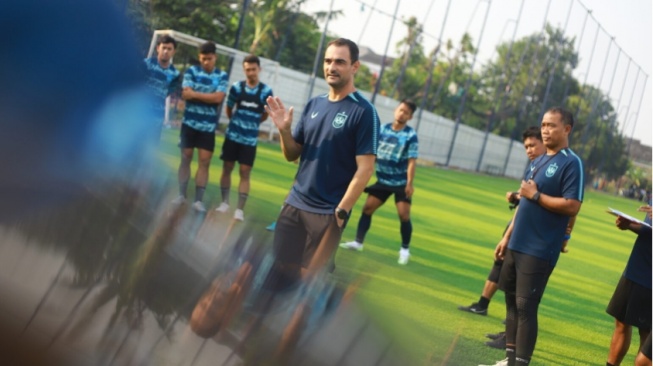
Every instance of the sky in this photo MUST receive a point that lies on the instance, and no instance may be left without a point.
(620, 65)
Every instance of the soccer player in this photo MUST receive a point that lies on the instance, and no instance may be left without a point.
(631, 303)
(247, 97)
(395, 172)
(551, 193)
(162, 78)
(336, 141)
(204, 88)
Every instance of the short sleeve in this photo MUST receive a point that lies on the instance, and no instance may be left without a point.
(233, 96)
(572, 180)
(267, 93)
(223, 83)
(413, 147)
(298, 133)
(189, 79)
(367, 133)
(175, 84)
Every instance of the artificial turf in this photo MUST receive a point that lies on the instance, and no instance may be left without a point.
(458, 218)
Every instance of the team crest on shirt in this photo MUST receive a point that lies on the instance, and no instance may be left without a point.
(340, 120)
(551, 170)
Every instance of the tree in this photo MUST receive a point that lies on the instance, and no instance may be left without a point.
(280, 31)
(213, 20)
(365, 80)
(524, 92)
(406, 76)
(140, 15)
(449, 76)
(519, 83)
(265, 15)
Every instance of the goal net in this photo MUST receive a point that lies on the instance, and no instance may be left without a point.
(186, 55)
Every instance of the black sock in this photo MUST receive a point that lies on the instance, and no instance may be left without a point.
(225, 194)
(242, 197)
(608, 364)
(406, 229)
(528, 327)
(510, 354)
(521, 361)
(199, 193)
(364, 224)
(183, 188)
(483, 302)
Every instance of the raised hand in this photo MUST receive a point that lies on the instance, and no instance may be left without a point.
(277, 112)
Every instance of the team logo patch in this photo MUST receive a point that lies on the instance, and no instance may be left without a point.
(551, 170)
(340, 120)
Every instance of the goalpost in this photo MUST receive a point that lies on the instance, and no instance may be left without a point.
(186, 55)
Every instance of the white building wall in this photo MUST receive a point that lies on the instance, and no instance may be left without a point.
(434, 132)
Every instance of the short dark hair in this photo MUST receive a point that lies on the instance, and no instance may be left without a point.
(411, 105)
(566, 115)
(533, 131)
(207, 48)
(353, 48)
(166, 38)
(252, 59)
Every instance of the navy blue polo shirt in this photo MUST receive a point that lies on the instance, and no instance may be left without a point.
(332, 134)
(639, 267)
(538, 231)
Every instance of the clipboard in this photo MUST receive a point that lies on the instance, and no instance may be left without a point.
(614, 212)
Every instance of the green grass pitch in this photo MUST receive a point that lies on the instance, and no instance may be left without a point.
(458, 218)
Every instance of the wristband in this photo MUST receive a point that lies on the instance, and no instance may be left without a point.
(566, 237)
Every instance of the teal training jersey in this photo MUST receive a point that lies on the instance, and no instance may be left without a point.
(395, 148)
(199, 115)
(246, 119)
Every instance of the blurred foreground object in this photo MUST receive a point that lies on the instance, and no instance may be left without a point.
(70, 106)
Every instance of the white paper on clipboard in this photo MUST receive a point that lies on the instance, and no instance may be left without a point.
(612, 211)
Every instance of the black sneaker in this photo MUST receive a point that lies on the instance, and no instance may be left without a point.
(499, 343)
(496, 335)
(474, 308)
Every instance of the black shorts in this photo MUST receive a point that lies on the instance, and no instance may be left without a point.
(524, 275)
(190, 138)
(495, 272)
(234, 151)
(631, 304)
(382, 192)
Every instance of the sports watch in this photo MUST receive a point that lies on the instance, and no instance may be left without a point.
(341, 213)
(536, 197)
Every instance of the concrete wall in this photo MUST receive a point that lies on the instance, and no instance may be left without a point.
(435, 132)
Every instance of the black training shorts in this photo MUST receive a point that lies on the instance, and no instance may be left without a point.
(495, 272)
(234, 151)
(382, 192)
(190, 138)
(631, 304)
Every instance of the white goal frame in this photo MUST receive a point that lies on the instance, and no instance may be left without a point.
(270, 69)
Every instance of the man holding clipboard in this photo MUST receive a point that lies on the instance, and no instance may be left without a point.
(631, 302)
